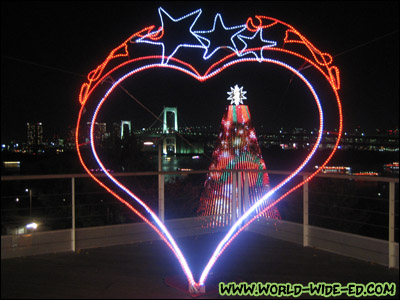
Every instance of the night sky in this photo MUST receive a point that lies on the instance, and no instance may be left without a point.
(49, 47)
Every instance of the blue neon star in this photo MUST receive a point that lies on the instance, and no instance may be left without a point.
(253, 42)
(175, 31)
(219, 37)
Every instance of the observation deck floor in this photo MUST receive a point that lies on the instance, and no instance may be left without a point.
(140, 270)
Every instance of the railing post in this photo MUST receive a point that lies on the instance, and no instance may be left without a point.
(305, 213)
(391, 226)
(160, 186)
(30, 205)
(73, 244)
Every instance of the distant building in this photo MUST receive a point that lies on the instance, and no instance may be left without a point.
(300, 139)
(116, 131)
(34, 135)
(100, 130)
(70, 140)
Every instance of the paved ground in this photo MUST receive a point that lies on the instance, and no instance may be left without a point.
(141, 270)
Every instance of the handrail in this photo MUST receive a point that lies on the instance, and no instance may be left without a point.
(153, 173)
(236, 172)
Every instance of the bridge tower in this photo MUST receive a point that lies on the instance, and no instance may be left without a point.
(169, 140)
(126, 129)
(166, 127)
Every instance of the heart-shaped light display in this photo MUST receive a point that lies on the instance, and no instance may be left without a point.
(121, 64)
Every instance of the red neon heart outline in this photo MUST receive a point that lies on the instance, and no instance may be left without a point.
(95, 76)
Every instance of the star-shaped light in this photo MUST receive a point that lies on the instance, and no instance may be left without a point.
(255, 41)
(182, 26)
(219, 37)
(237, 95)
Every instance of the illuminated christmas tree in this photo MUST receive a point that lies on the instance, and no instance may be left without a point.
(226, 195)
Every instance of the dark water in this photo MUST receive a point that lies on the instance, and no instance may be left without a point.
(176, 163)
(275, 159)
(288, 160)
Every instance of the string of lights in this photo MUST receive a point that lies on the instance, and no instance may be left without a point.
(322, 62)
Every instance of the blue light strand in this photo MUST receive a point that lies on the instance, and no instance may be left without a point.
(160, 225)
(253, 208)
(161, 12)
(262, 200)
(258, 32)
(236, 30)
(205, 43)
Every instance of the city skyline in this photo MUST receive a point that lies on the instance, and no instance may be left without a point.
(106, 135)
(46, 135)
(44, 67)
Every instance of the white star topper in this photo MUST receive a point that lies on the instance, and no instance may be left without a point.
(236, 95)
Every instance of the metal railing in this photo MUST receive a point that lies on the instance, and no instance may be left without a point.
(237, 197)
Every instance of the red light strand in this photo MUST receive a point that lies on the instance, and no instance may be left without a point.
(319, 60)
